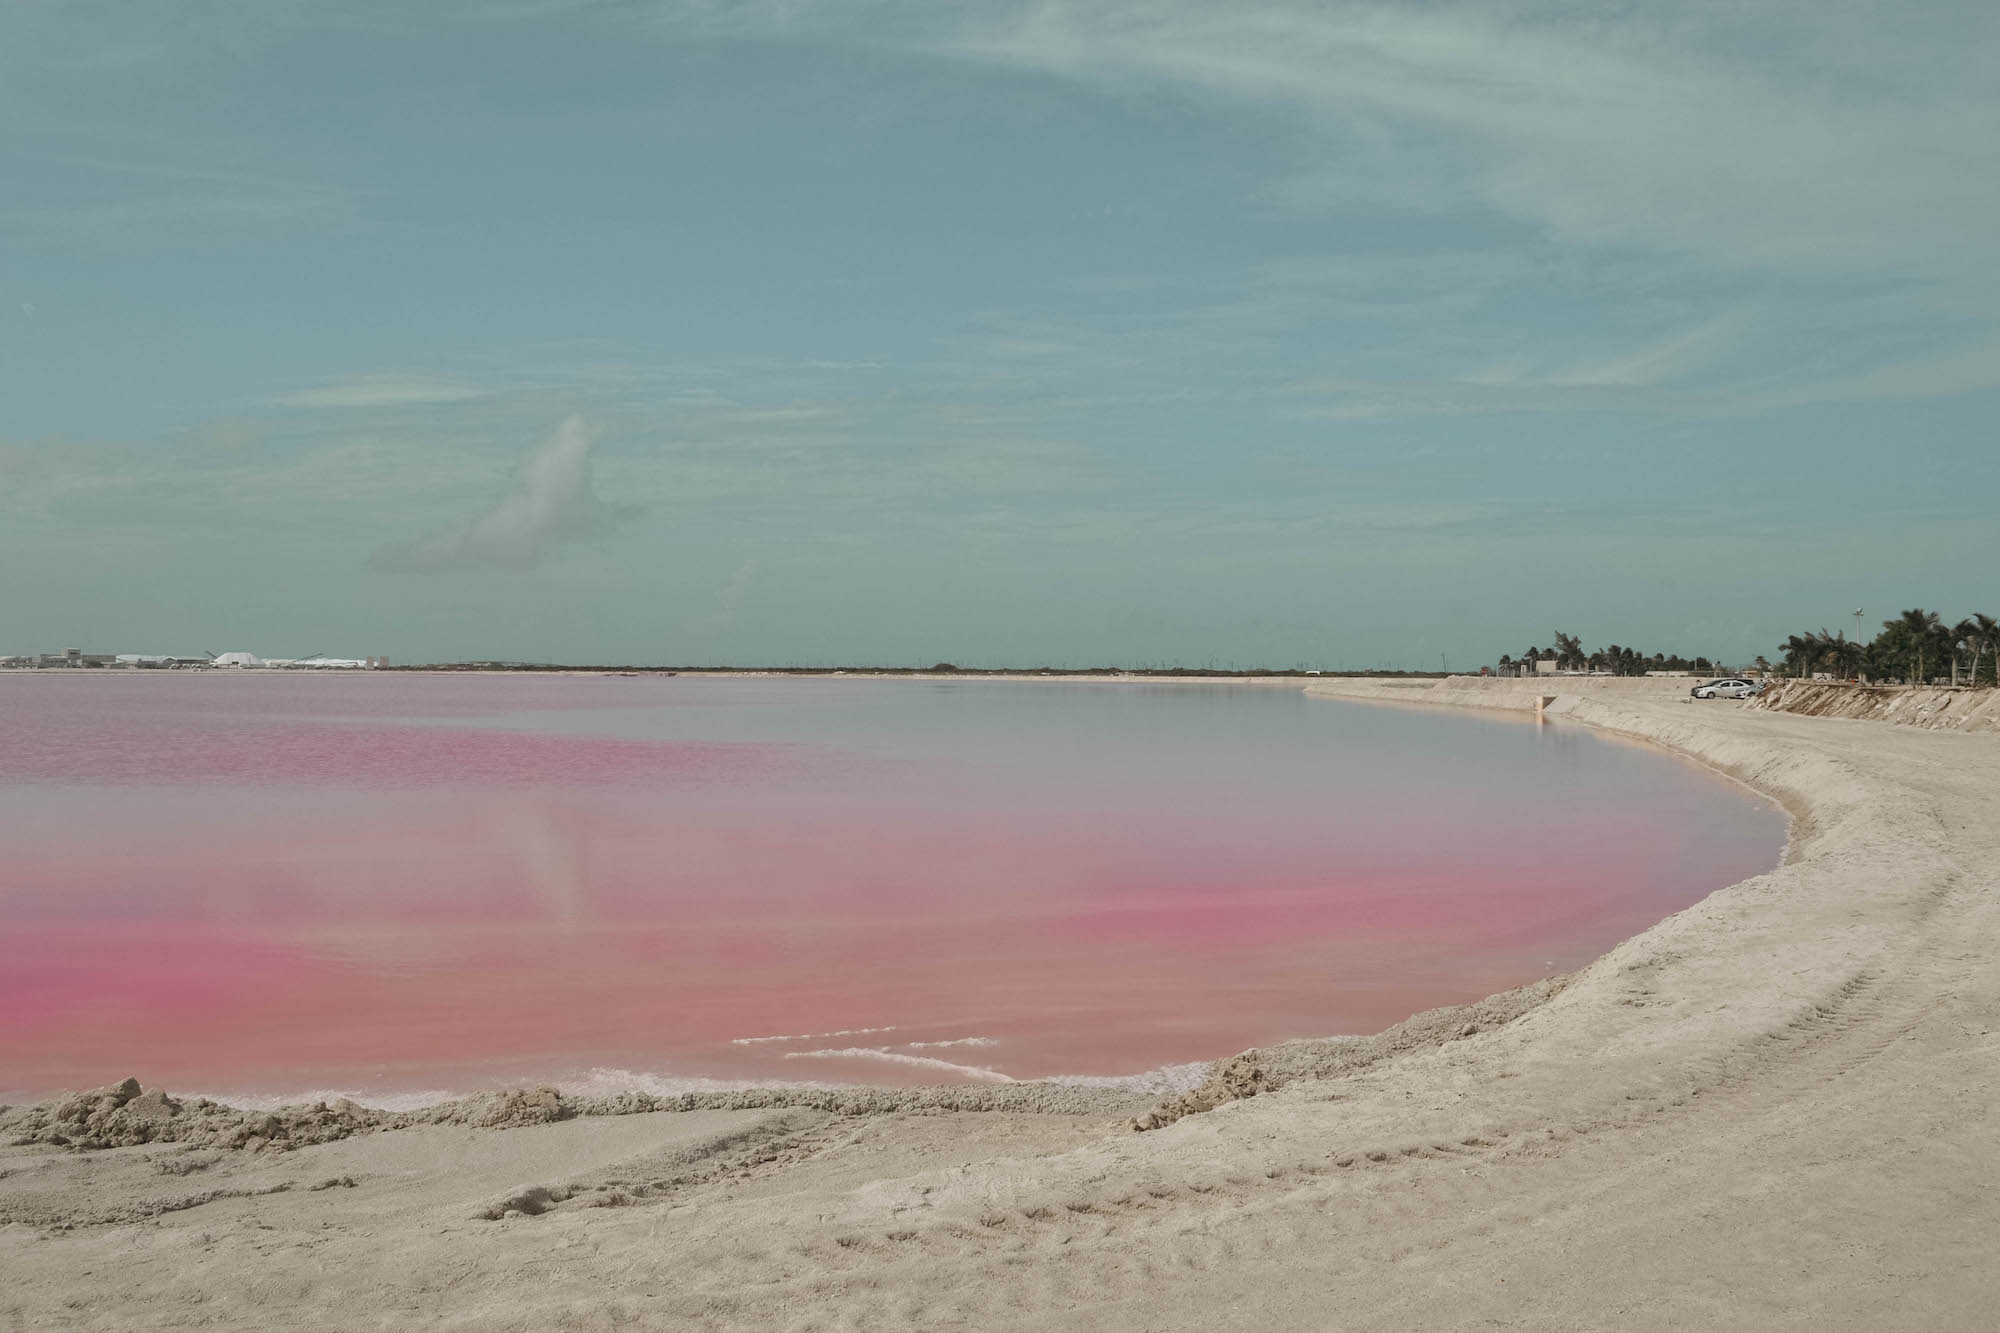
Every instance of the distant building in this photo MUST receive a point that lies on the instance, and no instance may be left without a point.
(76, 657)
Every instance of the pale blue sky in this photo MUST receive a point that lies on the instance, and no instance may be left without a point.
(1261, 333)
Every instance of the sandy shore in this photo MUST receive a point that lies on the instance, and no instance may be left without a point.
(1772, 1110)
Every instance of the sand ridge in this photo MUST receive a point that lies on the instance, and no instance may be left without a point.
(1773, 1109)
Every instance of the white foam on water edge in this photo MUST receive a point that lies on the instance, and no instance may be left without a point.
(810, 1036)
(898, 1058)
(606, 1081)
(1167, 1080)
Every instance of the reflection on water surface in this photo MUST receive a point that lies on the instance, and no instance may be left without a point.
(247, 883)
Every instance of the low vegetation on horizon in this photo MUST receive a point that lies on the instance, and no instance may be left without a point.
(1612, 659)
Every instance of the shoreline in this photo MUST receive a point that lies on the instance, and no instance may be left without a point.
(1077, 1095)
(1771, 1108)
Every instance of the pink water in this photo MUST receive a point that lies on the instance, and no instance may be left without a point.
(250, 884)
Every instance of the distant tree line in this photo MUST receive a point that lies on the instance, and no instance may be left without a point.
(1612, 659)
(1917, 646)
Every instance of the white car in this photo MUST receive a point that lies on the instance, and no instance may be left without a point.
(1729, 687)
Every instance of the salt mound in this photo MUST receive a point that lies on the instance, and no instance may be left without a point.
(1270, 1067)
(124, 1115)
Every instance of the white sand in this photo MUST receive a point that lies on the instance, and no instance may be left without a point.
(1773, 1110)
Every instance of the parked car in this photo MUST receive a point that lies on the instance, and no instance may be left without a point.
(1728, 687)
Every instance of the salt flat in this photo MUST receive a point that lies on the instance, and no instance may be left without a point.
(1772, 1110)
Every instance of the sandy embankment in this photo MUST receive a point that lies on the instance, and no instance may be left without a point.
(1774, 1109)
(1934, 709)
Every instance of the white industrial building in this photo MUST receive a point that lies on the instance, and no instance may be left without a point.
(321, 663)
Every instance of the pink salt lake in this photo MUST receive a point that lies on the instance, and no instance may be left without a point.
(392, 884)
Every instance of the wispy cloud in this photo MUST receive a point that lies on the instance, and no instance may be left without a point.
(1659, 361)
(1967, 366)
(1664, 377)
(1679, 130)
(385, 390)
(153, 214)
(1816, 149)
(62, 195)
(1837, 137)
(1647, 378)
(553, 504)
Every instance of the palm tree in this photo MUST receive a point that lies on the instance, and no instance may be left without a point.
(1982, 632)
(1851, 657)
(1841, 652)
(1921, 630)
(1798, 655)
(1880, 657)
(1958, 638)
(1569, 651)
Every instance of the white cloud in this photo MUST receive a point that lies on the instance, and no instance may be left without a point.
(552, 504)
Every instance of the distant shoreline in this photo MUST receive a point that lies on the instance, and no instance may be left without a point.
(897, 673)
